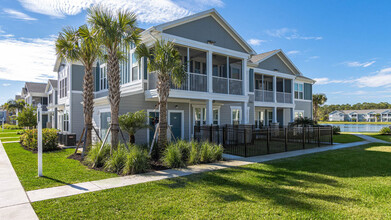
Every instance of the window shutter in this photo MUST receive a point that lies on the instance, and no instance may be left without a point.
(251, 80)
(97, 77)
(145, 68)
(307, 91)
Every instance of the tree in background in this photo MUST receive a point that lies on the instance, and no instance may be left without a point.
(317, 101)
(116, 31)
(14, 105)
(325, 110)
(133, 122)
(82, 45)
(164, 60)
(28, 117)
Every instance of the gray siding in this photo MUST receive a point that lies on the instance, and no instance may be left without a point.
(205, 29)
(77, 77)
(101, 94)
(274, 62)
(306, 106)
(77, 115)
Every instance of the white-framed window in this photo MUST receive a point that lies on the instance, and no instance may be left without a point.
(299, 114)
(200, 115)
(103, 77)
(299, 91)
(236, 115)
(135, 68)
(65, 122)
(63, 87)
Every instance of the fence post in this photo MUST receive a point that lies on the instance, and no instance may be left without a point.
(331, 135)
(318, 136)
(224, 136)
(268, 140)
(245, 142)
(286, 139)
(303, 137)
(210, 134)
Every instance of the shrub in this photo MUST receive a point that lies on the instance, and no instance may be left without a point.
(11, 127)
(116, 162)
(28, 117)
(172, 156)
(194, 154)
(96, 158)
(29, 139)
(385, 130)
(210, 152)
(336, 129)
(137, 161)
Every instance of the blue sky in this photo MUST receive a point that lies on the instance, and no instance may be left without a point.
(344, 45)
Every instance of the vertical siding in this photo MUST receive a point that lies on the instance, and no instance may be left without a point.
(77, 115)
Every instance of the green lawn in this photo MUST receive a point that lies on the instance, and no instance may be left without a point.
(375, 135)
(6, 139)
(9, 130)
(58, 170)
(351, 183)
(9, 135)
(349, 122)
(346, 138)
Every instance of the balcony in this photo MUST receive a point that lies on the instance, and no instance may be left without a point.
(264, 96)
(284, 97)
(193, 82)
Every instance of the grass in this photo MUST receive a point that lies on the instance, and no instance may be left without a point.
(374, 134)
(6, 139)
(9, 130)
(350, 122)
(57, 169)
(343, 184)
(9, 135)
(346, 138)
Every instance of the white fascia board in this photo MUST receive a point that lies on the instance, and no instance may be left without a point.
(204, 46)
(305, 81)
(274, 104)
(151, 94)
(274, 73)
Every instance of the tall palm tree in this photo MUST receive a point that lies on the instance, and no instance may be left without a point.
(317, 100)
(82, 45)
(165, 61)
(116, 30)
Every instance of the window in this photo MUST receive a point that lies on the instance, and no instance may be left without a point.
(235, 68)
(299, 92)
(215, 116)
(200, 116)
(63, 87)
(103, 77)
(50, 98)
(299, 114)
(236, 115)
(135, 74)
(65, 121)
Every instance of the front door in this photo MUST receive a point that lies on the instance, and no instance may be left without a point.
(176, 124)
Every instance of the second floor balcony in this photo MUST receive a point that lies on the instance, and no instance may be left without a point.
(273, 89)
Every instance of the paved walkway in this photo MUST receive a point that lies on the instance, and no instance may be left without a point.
(233, 161)
(14, 203)
(371, 139)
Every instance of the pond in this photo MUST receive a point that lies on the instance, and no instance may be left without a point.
(360, 127)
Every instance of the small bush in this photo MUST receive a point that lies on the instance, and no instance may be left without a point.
(336, 130)
(137, 161)
(194, 154)
(11, 127)
(29, 139)
(172, 156)
(210, 152)
(385, 130)
(96, 158)
(116, 162)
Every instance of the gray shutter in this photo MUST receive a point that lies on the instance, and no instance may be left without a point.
(307, 91)
(97, 77)
(145, 68)
(251, 81)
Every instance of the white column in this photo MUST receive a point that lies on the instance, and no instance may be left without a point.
(293, 91)
(244, 113)
(228, 75)
(39, 131)
(245, 77)
(275, 88)
(209, 64)
(209, 112)
(274, 120)
(188, 68)
(292, 115)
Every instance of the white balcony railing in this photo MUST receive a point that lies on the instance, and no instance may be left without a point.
(283, 97)
(193, 82)
(264, 96)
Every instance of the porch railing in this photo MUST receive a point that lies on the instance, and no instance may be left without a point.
(264, 96)
(283, 97)
(245, 140)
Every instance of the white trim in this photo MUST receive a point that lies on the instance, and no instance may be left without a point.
(240, 113)
(150, 94)
(202, 106)
(273, 73)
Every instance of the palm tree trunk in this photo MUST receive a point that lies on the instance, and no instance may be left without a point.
(163, 89)
(113, 78)
(88, 102)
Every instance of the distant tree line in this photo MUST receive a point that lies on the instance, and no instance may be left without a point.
(325, 110)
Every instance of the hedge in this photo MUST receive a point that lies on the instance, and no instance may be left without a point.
(49, 139)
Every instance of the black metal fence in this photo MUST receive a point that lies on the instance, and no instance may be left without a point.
(247, 141)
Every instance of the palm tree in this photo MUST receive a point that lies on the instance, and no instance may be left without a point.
(318, 100)
(133, 122)
(116, 30)
(165, 61)
(82, 45)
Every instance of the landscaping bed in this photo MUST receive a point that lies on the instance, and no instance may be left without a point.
(343, 184)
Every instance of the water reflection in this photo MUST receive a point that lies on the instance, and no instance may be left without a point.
(360, 127)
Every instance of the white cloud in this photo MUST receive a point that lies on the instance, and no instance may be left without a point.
(325, 80)
(358, 64)
(18, 15)
(255, 42)
(382, 78)
(6, 84)
(27, 59)
(312, 58)
(149, 11)
(290, 34)
(293, 52)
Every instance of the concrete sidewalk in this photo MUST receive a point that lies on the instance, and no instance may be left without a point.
(233, 161)
(371, 139)
(14, 203)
